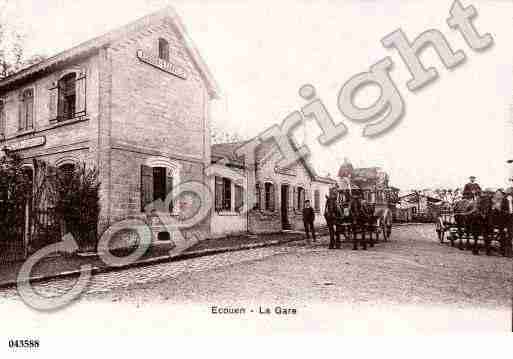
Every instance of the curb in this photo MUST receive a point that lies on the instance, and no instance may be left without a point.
(151, 261)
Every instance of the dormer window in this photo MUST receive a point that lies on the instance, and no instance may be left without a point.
(26, 115)
(163, 49)
(67, 97)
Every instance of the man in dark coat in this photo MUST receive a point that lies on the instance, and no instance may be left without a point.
(308, 220)
(471, 189)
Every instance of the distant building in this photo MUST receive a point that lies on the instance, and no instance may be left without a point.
(280, 192)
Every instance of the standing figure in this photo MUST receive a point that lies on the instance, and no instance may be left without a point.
(308, 220)
(471, 190)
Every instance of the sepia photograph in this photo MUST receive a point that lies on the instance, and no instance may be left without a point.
(256, 168)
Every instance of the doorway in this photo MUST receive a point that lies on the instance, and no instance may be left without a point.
(285, 206)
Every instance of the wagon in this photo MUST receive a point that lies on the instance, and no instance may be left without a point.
(375, 220)
(453, 224)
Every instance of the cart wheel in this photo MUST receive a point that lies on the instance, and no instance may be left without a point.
(440, 231)
(389, 231)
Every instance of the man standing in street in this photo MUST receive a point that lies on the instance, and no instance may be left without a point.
(308, 220)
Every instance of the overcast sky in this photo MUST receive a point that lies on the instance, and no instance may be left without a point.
(262, 52)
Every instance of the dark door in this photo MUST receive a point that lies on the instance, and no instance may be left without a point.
(284, 206)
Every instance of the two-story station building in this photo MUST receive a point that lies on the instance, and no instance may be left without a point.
(133, 102)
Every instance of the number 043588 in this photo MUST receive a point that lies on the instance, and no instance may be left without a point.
(24, 343)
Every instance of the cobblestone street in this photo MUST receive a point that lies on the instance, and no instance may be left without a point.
(412, 270)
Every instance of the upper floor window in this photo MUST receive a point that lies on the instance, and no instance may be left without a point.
(26, 116)
(67, 97)
(2, 118)
(163, 49)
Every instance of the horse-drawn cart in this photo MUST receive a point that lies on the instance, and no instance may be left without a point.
(485, 218)
(359, 216)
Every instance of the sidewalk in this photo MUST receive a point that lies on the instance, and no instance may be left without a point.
(65, 266)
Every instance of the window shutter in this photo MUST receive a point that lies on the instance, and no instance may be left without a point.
(238, 198)
(2, 118)
(54, 95)
(219, 195)
(291, 198)
(30, 112)
(294, 198)
(169, 189)
(21, 113)
(80, 92)
(317, 200)
(258, 188)
(146, 186)
(272, 198)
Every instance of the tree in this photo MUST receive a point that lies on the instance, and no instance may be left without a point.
(12, 47)
(219, 135)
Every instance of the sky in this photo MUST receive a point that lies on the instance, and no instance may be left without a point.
(262, 52)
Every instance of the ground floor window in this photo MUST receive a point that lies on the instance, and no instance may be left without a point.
(300, 198)
(317, 200)
(258, 195)
(156, 184)
(239, 199)
(223, 194)
(269, 196)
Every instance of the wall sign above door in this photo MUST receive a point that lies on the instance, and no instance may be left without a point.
(163, 65)
(28, 143)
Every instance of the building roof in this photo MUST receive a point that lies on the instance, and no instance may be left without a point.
(227, 151)
(91, 46)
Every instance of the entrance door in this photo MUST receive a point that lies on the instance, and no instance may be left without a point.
(284, 206)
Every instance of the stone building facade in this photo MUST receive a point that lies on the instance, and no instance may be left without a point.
(134, 103)
(280, 192)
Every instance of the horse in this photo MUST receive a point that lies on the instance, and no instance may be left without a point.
(355, 218)
(331, 213)
(484, 216)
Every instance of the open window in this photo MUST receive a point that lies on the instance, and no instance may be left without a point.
(68, 97)
(156, 183)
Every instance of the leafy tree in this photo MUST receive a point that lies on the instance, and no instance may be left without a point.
(77, 202)
(15, 193)
(219, 135)
(12, 47)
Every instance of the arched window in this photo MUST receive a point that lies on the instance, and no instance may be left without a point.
(159, 175)
(67, 97)
(26, 117)
(163, 49)
(66, 172)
